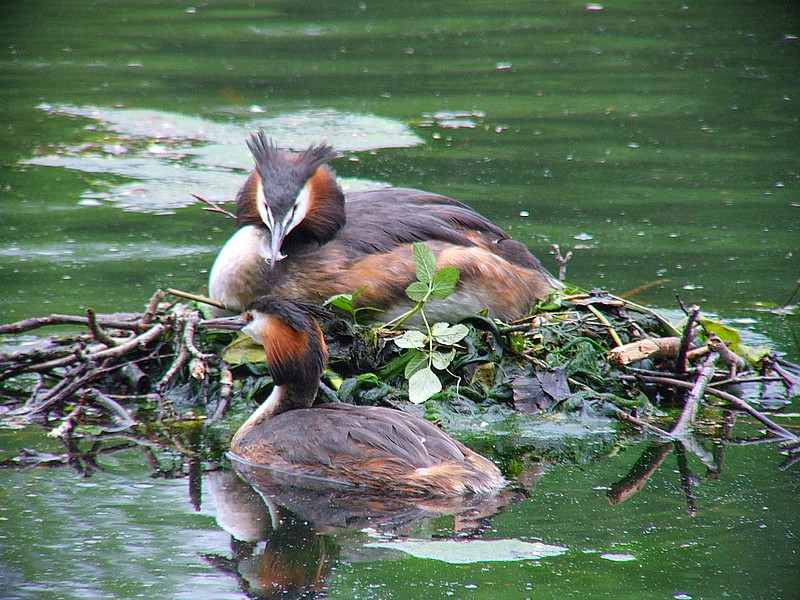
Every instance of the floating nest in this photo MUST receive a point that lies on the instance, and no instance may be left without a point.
(585, 354)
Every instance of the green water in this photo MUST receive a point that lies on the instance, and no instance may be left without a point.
(658, 140)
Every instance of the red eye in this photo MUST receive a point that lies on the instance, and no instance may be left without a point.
(248, 317)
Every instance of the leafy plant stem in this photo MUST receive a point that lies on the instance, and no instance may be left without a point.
(395, 323)
(430, 335)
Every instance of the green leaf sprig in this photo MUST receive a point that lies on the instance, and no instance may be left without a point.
(426, 349)
(346, 303)
(430, 283)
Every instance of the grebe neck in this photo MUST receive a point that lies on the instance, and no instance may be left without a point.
(283, 398)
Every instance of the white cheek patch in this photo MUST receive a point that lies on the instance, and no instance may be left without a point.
(261, 204)
(295, 217)
(252, 331)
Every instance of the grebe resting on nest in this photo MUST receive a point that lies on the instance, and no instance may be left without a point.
(376, 448)
(300, 236)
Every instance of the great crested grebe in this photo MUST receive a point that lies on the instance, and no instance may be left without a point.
(375, 448)
(300, 236)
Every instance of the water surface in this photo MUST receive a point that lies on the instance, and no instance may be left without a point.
(660, 141)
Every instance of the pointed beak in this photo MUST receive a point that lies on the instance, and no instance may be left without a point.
(272, 252)
(227, 323)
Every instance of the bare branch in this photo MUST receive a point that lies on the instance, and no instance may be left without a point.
(188, 337)
(686, 339)
(100, 335)
(214, 207)
(197, 298)
(152, 306)
(225, 393)
(562, 260)
(110, 321)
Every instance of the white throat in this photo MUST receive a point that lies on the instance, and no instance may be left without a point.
(236, 266)
(267, 409)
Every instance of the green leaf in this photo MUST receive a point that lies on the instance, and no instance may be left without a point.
(553, 303)
(346, 303)
(753, 355)
(243, 350)
(440, 360)
(729, 335)
(418, 360)
(424, 263)
(343, 302)
(366, 389)
(417, 291)
(334, 379)
(411, 339)
(449, 334)
(517, 342)
(733, 341)
(396, 366)
(444, 282)
(422, 385)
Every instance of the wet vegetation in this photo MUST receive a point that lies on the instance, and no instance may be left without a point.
(161, 375)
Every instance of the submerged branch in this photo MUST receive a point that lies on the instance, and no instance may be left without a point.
(728, 397)
(644, 425)
(126, 421)
(742, 405)
(684, 424)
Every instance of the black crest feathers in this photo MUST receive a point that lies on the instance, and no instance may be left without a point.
(275, 165)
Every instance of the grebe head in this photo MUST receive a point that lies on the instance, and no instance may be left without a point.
(293, 344)
(287, 188)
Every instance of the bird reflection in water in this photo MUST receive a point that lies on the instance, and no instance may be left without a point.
(286, 540)
(333, 466)
(274, 554)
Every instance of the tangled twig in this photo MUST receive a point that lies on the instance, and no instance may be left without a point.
(86, 369)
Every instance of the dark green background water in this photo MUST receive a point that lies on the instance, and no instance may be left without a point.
(664, 135)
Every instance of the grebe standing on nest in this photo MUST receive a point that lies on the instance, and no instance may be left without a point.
(299, 236)
(375, 448)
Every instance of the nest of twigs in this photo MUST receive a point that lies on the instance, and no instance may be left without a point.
(578, 352)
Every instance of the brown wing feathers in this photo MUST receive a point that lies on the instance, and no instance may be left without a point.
(321, 433)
